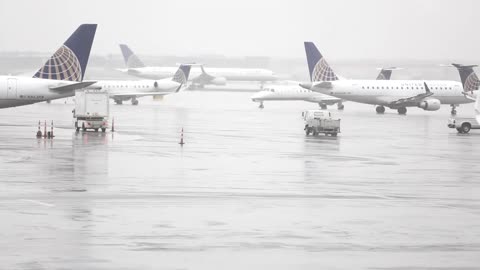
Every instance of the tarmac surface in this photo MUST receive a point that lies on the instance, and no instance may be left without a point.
(248, 190)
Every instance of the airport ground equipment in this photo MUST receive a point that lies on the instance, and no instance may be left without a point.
(320, 121)
(463, 125)
(91, 110)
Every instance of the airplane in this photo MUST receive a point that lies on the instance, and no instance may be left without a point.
(61, 75)
(215, 76)
(295, 92)
(121, 91)
(395, 94)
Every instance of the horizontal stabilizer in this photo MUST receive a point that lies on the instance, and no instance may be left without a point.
(324, 85)
(71, 86)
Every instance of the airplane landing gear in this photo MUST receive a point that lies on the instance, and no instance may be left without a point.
(340, 106)
(402, 110)
(261, 105)
(453, 111)
(322, 106)
(134, 101)
(118, 101)
(380, 109)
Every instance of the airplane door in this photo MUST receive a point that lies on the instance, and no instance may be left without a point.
(11, 88)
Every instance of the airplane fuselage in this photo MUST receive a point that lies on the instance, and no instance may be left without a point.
(136, 88)
(381, 92)
(17, 91)
(292, 93)
(231, 74)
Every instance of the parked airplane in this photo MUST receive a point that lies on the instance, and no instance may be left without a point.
(61, 75)
(214, 76)
(394, 94)
(121, 91)
(295, 92)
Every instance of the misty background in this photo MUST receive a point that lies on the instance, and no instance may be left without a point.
(250, 33)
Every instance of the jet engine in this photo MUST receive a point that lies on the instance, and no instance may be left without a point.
(430, 104)
(218, 81)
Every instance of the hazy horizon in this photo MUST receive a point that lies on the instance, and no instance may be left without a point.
(343, 30)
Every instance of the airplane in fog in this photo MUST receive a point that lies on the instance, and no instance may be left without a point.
(394, 94)
(61, 75)
(296, 92)
(121, 91)
(214, 76)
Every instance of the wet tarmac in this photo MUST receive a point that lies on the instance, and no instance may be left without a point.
(248, 190)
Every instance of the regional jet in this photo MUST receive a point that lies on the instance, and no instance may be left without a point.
(211, 76)
(121, 91)
(295, 92)
(395, 94)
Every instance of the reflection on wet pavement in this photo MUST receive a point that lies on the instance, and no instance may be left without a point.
(248, 190)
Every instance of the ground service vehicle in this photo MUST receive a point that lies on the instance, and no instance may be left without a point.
(91, 110)
(320, 121)
(463, 125)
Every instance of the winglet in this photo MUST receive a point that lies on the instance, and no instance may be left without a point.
(427, 90)
(70, 61)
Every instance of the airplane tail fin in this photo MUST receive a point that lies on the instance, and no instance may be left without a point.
(130, 58)
(317, 65)
(384, 74)
(70, 61)
(181, 76)
(468, 76)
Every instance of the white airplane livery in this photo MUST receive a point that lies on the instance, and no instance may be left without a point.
(295, 92)
(200, 78)
(61, 75)
(121, 91)
(395, 94)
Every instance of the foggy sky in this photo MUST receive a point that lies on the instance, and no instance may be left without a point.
(377, 29)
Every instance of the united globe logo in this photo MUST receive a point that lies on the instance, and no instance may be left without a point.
(471, 83)
(63, 65)
(323, 72)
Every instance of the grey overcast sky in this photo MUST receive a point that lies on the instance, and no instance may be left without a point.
(342, 29)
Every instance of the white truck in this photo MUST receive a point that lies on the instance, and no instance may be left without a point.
(463, 125)
(320, 121)
(91, 110)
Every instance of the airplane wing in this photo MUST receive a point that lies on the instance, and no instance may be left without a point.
(312, 86)
(324, 85)
(71, 86)
(411, 101)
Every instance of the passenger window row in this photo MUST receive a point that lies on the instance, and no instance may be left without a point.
(406, 87)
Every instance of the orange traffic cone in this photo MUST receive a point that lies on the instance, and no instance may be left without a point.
(39, 132)
(181, 139)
